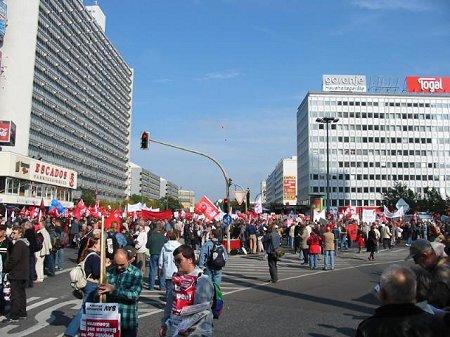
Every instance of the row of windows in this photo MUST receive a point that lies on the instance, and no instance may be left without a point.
(374, 152)
(379, 177)
(382, 115)
(376, 103)
(383, 140)
(371, 127)
(26, 188)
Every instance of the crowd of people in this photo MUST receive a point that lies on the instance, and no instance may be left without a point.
(173, 255)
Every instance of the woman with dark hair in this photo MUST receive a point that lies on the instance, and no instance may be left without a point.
(372, 243)
(91, 257)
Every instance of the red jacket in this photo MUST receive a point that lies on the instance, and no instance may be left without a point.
(314, 243)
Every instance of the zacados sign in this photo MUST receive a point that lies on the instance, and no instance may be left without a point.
(430, 84)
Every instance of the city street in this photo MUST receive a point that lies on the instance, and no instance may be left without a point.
(303, 303)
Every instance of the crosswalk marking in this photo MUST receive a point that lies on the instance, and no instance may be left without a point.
(40, 303)
(31, 299)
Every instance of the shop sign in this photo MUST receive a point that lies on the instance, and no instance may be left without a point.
(429, 84)
(352, 83)
(7, 133)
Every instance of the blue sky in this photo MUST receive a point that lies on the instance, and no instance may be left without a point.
(226, 76)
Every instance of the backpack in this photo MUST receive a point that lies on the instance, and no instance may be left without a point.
(39, 242)
(78, 278)
(217, 304)
(216, 258)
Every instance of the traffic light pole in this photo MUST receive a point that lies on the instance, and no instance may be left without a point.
(225, 176)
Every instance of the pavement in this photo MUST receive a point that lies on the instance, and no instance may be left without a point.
(304, 302)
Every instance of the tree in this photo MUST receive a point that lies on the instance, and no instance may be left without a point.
(168, 202)
(433, 201)
(400, 191)
(88, 197)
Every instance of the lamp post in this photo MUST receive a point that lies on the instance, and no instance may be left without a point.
(327, 121)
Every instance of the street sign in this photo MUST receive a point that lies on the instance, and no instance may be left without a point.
(227, 219)
(402, 203)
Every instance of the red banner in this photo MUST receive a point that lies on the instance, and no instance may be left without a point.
(427, 84)
(114, 216)
(207, 208)
(150, 215)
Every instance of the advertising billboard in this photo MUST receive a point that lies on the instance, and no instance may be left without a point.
(289, 188)
(430, 84)
(352, 83)
(7, 133)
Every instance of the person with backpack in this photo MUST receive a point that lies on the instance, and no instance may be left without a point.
(191, 287)
(213, 257)
(166, 262)
(272, 243)
(90, 258)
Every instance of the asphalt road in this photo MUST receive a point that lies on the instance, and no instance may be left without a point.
(303, 303)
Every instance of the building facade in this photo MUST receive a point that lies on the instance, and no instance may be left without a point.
(68, 91)
(168, 189)
(186, 198)
(27, 181)
(380, 139)
(144, 183)
(281, 184)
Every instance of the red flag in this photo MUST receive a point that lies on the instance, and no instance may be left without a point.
(114, 216)
(23, 212)
(79, 210)
(207, 208)
(53, 212)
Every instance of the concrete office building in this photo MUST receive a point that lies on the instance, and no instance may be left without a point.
(68, 91)
(186, 198)
(282, 182)
(168, 189)
(380, 139)
(143, 182)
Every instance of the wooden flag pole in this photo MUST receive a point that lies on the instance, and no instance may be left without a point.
(102, 259)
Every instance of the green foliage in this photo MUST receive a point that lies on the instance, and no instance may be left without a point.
(432, 201)
(399, 191)
(88, 197)
(169, 203)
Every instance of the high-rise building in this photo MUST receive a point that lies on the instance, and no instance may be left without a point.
(68, 91)
(168, 189)
(186, 198)
(380, 139)
(144, 183)
(281, 184)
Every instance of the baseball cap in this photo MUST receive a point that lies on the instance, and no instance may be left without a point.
(131, 252)
(419, 247)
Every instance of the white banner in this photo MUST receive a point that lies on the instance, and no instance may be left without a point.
(258, 206)
(319, 215)
(397, 214)
(368, 215)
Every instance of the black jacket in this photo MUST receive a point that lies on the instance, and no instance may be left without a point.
(18, 262)
(30, 235)
(402, 320)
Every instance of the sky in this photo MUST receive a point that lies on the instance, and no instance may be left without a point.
(225, 77)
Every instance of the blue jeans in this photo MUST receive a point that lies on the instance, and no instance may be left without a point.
(313, 261)
(409, 240)
(153, 272)
(50, 263)
(169, 298)
(215, 275)
(89, 293)
(59, 258)
(329, 260)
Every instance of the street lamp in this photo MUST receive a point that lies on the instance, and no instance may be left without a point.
(326, 121)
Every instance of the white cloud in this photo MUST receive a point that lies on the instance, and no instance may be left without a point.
(409, 5)
(224, 75)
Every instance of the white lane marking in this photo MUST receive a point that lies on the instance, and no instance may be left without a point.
(43, 318)
(38, 304)
(289, 278)
(31, 299)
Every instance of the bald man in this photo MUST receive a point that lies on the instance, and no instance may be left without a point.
(124, 287)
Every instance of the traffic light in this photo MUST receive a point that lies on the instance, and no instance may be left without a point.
(144, 140)
(226, 206)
